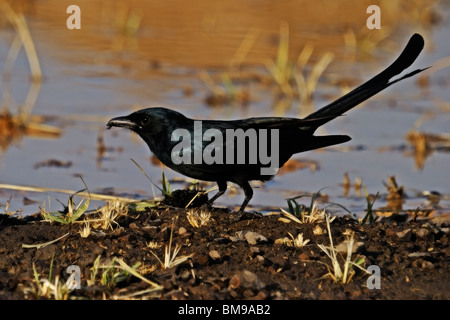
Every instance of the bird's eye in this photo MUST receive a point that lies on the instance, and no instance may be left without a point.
(145, 121)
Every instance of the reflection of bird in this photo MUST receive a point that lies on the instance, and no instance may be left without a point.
(156, 126)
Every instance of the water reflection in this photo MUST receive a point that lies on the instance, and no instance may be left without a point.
(425, 144)
(13, 126)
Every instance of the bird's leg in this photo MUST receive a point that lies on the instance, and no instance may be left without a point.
(222, 188)
(248, 191)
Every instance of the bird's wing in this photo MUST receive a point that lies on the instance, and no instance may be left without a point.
(282, 122)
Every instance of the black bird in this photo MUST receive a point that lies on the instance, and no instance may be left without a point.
(206, 155)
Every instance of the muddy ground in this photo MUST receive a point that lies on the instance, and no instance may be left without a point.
(230, 257)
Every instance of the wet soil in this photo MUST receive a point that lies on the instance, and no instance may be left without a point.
(232, 256)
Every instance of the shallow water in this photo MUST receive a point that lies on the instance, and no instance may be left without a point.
(106, 70)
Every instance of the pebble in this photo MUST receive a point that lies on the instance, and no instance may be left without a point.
(246, 280)
(404, 235)
(254, 238)
(254, 251)
(251, 237)
(214, 254)
(303, 256)
(185, 275)
(440, 221)
(427, 265)
(259, 258)
(423, 264)
(423, 233)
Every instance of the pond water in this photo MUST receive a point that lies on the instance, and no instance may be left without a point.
(152, 53)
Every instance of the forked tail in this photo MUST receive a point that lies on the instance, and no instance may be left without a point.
(376, 84)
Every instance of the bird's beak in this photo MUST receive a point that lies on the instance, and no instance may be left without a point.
(123, 122)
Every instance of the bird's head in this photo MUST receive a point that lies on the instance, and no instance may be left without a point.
(146, 122)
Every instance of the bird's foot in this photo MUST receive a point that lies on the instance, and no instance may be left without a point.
(206, 206)
(243, 215)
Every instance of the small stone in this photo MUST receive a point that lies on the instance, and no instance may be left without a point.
(254, 251)
(303, 256)
(251, 237)
(416, 263)
(246, 280)
(404, 235)
(441, 221)
(235, 282)
(427, 265)
(259, 258)
(182, 231)
(214, 254)
(185, 275)
(283, 241)
(254, 238)
(423, 233)
(234, 239)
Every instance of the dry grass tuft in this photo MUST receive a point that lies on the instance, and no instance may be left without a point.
(198, 218)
